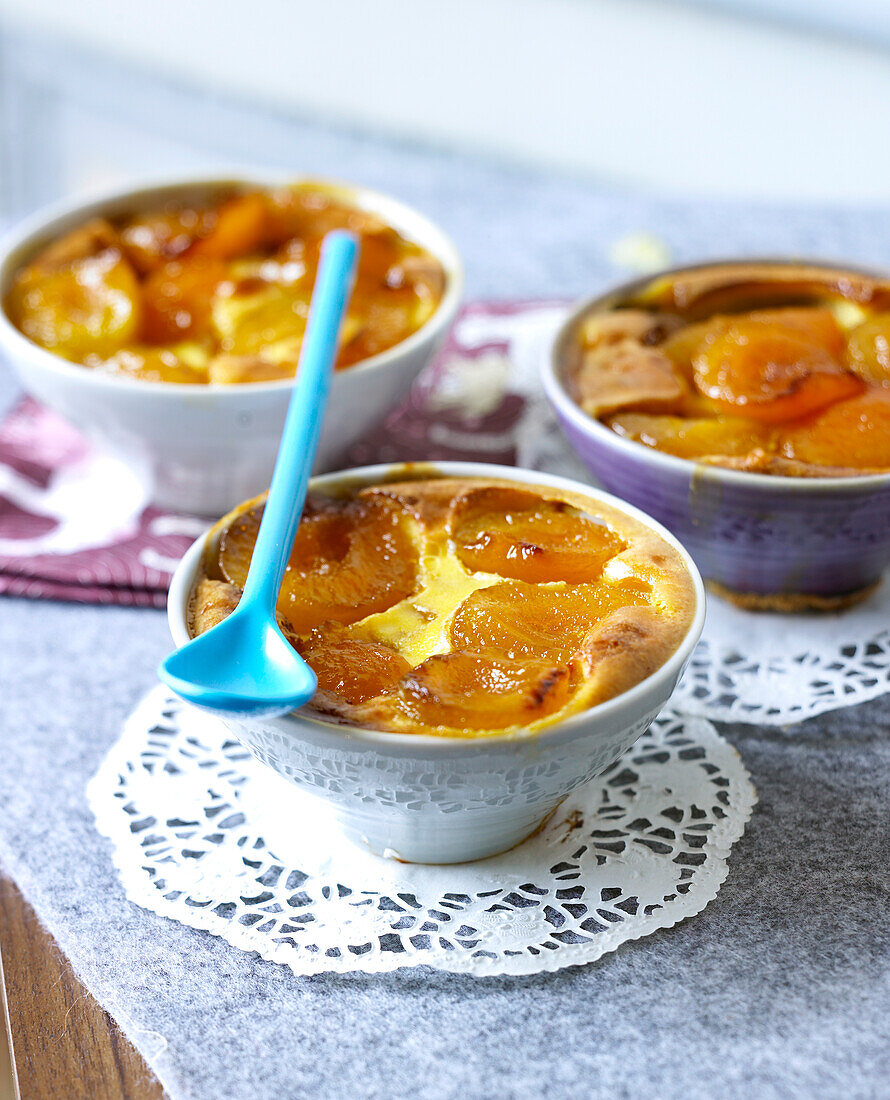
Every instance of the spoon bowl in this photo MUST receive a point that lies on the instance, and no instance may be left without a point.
(244, 666)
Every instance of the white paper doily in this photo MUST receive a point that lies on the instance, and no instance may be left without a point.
(767, 669)
(206, 835)
(776, 669)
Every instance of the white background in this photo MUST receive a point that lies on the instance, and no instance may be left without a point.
(684, 98)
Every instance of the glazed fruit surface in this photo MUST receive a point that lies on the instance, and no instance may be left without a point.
(777, 369)
(218, 293)
(462, 607)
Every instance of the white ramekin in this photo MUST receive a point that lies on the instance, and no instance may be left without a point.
(428, 799)
(203, 448)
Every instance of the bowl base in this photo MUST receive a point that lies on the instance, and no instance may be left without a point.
(790, 602)
(442, 849)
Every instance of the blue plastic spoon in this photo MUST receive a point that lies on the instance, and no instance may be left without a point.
(245, 666)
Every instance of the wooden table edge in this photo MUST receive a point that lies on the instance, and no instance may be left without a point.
(62, 1042)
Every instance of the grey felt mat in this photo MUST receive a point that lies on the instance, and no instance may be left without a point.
(780, 989)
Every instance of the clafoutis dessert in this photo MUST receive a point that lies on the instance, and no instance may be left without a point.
(779, 369)
(462, 607)
(218, 292)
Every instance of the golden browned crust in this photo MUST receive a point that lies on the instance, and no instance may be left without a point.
(622, 648)
(616, 376)
(627, 647)
(760, 462)
(789, 603)
(617, 365)
(704, 290)
(211, 602)
(87, 240)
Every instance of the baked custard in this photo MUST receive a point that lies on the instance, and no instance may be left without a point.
(219, 292)
(772, 368)
(462, 607)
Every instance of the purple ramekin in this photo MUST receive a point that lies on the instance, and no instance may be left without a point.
(754, 534)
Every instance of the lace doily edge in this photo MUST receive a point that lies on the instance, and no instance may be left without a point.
(686, 703)
(138, 887)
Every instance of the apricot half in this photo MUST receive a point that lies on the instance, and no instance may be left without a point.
(854, 434)
(868, 350)
(347, 563)
(694, 437)
(523, 620)
(816, 324)
(89, 306)
(770, 371)
(156, 237)
(465, 691)
(241, 226)
(519, 534)
(355, 670)
(178, 299)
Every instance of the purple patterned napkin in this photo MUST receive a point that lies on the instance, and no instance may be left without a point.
(73, 522)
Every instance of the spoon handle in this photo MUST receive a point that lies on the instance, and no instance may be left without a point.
(302, 427)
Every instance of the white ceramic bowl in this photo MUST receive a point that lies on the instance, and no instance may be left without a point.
(427, 799)
(200, 448)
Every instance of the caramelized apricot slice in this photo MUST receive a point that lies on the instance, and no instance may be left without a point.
(682, 347)
(178, 300)
(354, 671)
(417, 270)
(89, 239)
(309, 212)
(260, 316)
(518, 534)
(87, 307)
(815, 324)
(693, 437)
(868, 350)
(522, 620)
(348, 562)
(322, 537)
(156, 237)
(854, 434)
(769, 372)
(468, 692)
(241, 227)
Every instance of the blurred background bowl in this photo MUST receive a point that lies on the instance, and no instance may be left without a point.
(202, 448)
(762, 536)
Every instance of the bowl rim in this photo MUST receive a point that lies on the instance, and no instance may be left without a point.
(184, 574)
(556, 391)
(17, 243)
